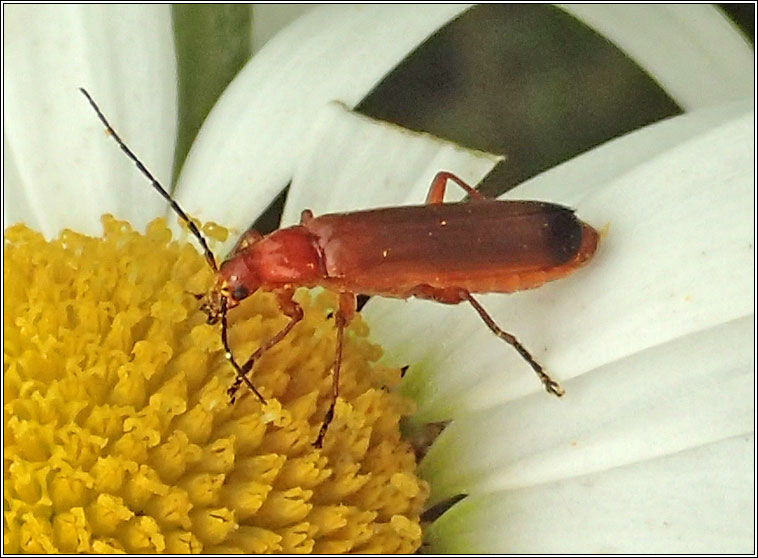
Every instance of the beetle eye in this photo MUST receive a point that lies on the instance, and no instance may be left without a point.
(239, 292)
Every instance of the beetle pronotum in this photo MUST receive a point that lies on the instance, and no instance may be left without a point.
(438, 251)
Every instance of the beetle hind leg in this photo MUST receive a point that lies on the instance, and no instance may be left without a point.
(551, 386)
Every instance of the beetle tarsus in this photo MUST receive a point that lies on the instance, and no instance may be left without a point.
(550, 385)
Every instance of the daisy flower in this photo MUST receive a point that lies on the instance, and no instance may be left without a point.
(118, 435)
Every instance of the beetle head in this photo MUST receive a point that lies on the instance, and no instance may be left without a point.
(234, 283)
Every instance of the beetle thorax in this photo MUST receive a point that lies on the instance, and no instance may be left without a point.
(285, 257)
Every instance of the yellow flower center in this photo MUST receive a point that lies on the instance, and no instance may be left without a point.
(119, 434)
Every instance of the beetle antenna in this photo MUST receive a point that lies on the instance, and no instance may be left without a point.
(154, 182)
(209, 257)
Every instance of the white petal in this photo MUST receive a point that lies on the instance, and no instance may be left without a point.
(17, 207)
(698, 501)
(693, 51)
(689, 392)
(253, 137)
(355, 162)
(677, 259)
(71, 171)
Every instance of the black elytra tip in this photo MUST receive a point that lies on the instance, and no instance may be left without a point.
(564, 233)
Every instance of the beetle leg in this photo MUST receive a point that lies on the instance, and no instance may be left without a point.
(241, 376)
(437, 189)
(291, 309)
(342, 317)
(550, 385)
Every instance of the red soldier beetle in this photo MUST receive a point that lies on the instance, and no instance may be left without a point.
(438, 251)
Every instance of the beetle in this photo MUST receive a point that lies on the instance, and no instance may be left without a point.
(438, 251)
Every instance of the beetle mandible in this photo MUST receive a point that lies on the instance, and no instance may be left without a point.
(438, 251)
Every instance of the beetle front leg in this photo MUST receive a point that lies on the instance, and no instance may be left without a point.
(550, 385)
(437, 189)
(291, 309)
(342, 317)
